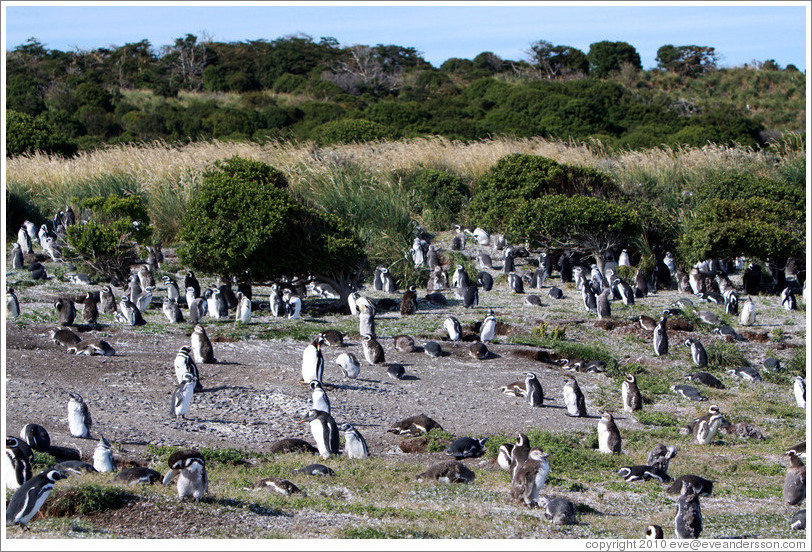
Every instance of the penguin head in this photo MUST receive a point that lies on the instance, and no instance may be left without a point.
(346, 427)
(315, 384)
(713, 410)
(310, 416)
(76, 397)
(630, 378)
(530, 376)
(12, 443)
(55, 475)
(537, 454)
(654, 532)
(607, 417)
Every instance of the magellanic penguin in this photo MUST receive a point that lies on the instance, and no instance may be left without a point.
(488, 329)
(172, 289)
(349, 364)
(36, 437)
(470, 297)
(275, 302)
(466, 447)
(519, 453)
(799, 391)
(171, 311)
(278, 485)
(747, 314)
(313, 361)
(243, 314)
(574, 398)
(688, 521)
(319, 399)
(608, 435)
(395, 371)
(654, 532)
(795, 481)
(505, 456)
(690, 483)
(182, 396)
(293, 306)
(92, 346)
(12, 304)
(24, 241)
(603, 306)
(355, 446)
(103, 456)
(16, 466)
(661, 338)
(29, 498)
(661, 455)
(535, 393)
(698, 353)
(448, 471)
(515, 283)
(530, 478)
(189, 467)
(643, 473)
(217, 307)
(408, 303)
(67, 311)
(128, 313)
(460, 278)
(107, 303)
(202, 351)
(317, 470)
(90, 309)
(414, 426)
(366, 322)
(788, 301)
(453, 327)
(325, 432)
(706, 427)
(798, 521)
(137, 476)
(373, 351)
(79, 419)
(17, 261)
(705, 379)
(558, 511)
(184, 363)
(688, 392)
(632, 399)
(478, 350)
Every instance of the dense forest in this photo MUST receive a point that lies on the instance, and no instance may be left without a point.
(301, 89)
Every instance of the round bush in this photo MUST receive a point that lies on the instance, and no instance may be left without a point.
(349, 130)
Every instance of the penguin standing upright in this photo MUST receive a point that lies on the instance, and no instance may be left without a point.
(632, 399)
(349, 365)
(325, 432)
(731, 302)
(182, 396)
(90, 309)
(453, 327)
(373, 351)
(470, 298)
(107, 304)
(79, 420)
(515, 283)
(217, 306)
(103, 456)
(574, 398)
(275, 300)
(589, 299)
(788, 301)
(243, 314)
(747, 316)
(408, 303)
(688, 521)
(24, 241)
(67, 311)
(661, 338)
(535, 393)
(608, 435)
(488, 328)
(366, 321)
(318, 397)
(313, 361)
(602, 304)
(128, 313)
(189, 467)
(172, 289)
(355, 446)
(530, 478)
(190, 281)
(706, 427)
(171, 310)
(197, 308)
(29, 498)
(184, 363)
(794, 490)
(698, 353)
(12, 304)
(16, 467)
(202, 351)
(799, 390)
(17, 261)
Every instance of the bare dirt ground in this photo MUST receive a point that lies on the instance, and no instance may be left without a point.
(253, 396)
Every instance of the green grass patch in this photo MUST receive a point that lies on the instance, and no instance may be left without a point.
(725, 355)
(86, 499)
(657, 418)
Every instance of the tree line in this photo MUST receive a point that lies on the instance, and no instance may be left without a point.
(299, 88)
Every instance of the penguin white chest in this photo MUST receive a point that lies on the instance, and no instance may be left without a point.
(318, 430)
(355, 447)
(103, 460)
(604, 436)
(192, 481)
(310, 363)
(76, 420)
(571, 400)
(320, 400)
(9, 473)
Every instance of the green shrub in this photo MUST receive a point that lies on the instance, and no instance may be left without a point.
(797, 364)
(656, 418)
(349, 130)
(87, 499)
(438, 196)
(725, 355)
(107, 243)
(27, 134)
(289, 83)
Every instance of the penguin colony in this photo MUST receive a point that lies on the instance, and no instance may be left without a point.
(528, 466)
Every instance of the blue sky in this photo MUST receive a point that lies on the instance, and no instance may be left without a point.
(739, 32)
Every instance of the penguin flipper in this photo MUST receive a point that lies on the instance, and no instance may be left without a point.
(170, 475)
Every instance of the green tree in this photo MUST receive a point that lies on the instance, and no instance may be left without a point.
(607, 57)
(519, 177)
(756, 227)
(558, 61)
(107, 243)
(581, 222)
(688, 61)
(244, 220)
(27, 134)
